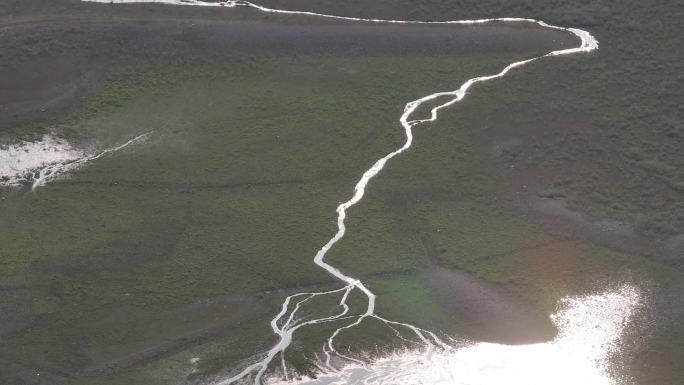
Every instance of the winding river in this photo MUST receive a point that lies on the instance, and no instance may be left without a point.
(284, 324)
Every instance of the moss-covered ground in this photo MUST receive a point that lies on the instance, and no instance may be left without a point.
(236, 187)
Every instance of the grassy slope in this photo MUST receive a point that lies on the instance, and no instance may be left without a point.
(188, 208)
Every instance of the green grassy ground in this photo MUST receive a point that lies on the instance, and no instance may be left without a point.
(236, 189)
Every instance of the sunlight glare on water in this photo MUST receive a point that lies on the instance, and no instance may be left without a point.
(19, 159)
(589, 327)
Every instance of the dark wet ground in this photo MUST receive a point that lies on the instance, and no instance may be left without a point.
(278, 39)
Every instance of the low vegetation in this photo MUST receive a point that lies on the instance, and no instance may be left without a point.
(236, 187)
